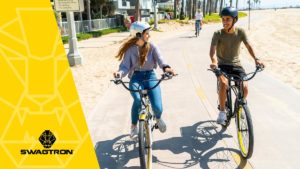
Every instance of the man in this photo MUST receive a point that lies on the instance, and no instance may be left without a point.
(227, 43)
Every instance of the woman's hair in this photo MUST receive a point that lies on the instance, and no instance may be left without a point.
(143, 51)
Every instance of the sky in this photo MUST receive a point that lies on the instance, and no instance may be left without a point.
(270, 3)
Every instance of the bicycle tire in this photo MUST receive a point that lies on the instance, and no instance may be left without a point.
(145, 149)
(244, 124)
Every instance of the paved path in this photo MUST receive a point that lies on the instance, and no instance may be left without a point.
(193, 140)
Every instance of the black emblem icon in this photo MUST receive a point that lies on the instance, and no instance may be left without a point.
(47, 139)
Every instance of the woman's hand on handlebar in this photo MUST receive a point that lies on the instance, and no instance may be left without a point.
(117, 75)
(259, 64)
(213, 65)
(170, 71)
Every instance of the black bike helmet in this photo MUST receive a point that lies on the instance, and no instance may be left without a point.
(230, 11)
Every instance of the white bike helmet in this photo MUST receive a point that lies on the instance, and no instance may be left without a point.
(137, 28)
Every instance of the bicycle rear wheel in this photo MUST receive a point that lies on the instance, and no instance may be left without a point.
(245, 131)
(145, 145)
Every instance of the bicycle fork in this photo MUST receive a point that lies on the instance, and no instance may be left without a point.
(146, 116)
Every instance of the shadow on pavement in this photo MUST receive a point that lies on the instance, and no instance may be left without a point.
(188, 37)
(116, 153)
(198, 141)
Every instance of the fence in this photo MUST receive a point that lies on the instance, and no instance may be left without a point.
(98, 24)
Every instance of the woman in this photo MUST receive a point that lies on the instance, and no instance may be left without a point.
(139, 58)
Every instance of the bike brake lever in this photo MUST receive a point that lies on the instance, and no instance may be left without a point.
(116, 81)
(260, 67)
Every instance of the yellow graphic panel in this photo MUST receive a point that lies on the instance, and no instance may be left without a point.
(41, 120)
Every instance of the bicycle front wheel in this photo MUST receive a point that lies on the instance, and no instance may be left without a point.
(245, 131)
(145, 145)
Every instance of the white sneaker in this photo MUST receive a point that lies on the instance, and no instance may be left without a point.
(161, 125)
(134, 132)
(222, 118)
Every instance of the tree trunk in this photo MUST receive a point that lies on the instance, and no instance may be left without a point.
(175, 9)
(216, 6)
(182, 14)
(194, 8)
(101, 7)
(204, 9)
(191, 9)
(236, 4)
(137, 16)
(80, 16)
(230, 3)
(207, 6)
(89, 14)
(221, 6)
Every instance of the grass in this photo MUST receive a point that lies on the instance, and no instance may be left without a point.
(185, 21)
(215, 17)
(83, 36)
(162, 21)
(151, 22)
(242, 14)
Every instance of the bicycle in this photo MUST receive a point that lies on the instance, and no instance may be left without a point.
(197, 27)
(241, 111)
(146, 120)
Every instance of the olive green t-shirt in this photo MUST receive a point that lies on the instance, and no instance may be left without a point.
(228, 46)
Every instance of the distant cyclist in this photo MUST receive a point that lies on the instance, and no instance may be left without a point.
(198, 22)
(139, 59)
(226, 42)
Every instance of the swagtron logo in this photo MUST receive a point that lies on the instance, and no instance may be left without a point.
(47, 139)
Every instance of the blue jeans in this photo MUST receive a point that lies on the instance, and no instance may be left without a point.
(197, 25)
(154, 95)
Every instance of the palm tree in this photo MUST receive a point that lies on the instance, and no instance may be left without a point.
(211, 3)
(221, 6)
(137, 16)
(204, 9)
(236, 4)
(256, 2)
(230, 3)
(89, 14)
(208, 11)
(212, 6)
(216, 6)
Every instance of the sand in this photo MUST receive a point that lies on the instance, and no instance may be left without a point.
(275, 39)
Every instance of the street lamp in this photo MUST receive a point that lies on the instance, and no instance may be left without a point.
(74, 56)
(249, 14)
(155, 15)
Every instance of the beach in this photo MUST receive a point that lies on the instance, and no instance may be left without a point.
(275, 39)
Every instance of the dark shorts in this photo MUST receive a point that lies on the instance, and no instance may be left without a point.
(235, 70)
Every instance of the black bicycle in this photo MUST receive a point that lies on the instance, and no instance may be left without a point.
(146, 120)
(239, 110)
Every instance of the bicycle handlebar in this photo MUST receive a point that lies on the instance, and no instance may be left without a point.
(218, 72)
(165, 76)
